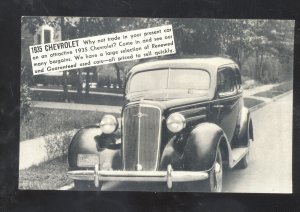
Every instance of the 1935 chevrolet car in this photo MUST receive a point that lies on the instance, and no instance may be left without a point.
(184, 121)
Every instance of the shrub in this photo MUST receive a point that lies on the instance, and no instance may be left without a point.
(25, 100)
(273, 70)
(57, 144)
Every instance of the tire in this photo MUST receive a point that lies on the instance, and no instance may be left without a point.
(215, 176)
(244, 162)
(83, 185)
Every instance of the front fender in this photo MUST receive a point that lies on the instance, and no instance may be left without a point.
(91, 140)
(201, 148)
(171, 155)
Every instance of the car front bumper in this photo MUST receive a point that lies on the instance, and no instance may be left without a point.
(169, 176)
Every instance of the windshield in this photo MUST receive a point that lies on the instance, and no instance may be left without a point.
(170, 79)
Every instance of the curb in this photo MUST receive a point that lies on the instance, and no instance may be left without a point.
(281, 95)
(260, 105)
(66, 187)
(274, 99)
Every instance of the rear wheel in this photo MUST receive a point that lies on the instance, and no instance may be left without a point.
(244, 162)
(215, 176)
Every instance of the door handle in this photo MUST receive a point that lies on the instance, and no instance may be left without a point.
(218, 106)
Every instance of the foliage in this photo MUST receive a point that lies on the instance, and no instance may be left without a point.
(25, 100)
(267, 41)
(58, 144)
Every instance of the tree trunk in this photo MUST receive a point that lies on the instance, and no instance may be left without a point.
(65, 86)
(238, 58)
(262, 76)
(118, 70)
(257, 70)
(79, 76)
(65, 80)
(87, 80)
(79, 83)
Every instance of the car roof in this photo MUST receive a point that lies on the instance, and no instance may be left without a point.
(210, 64)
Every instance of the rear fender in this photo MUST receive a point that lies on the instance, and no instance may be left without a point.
(202, 145)
(91, 140)
(245, 130)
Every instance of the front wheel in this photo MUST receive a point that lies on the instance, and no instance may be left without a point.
(215, 176)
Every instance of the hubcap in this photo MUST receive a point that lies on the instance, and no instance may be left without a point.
(217, 168)
(217, 176)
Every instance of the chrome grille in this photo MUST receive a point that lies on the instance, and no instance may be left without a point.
(141, 137)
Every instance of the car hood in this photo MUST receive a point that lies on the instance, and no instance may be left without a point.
(168, 103)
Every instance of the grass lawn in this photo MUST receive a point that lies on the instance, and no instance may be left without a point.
(108, 90)
(47, 176)
(44, 121)
(250, 102)
(54, 96)
(277, 90)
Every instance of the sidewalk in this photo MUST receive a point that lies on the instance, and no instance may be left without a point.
(249, 93)
(117, 109)
(258, 89)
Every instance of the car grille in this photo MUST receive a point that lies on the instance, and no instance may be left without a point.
(141, 137)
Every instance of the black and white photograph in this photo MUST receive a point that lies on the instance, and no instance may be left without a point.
(156, 104)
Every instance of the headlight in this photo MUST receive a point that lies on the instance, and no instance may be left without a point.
(176, 122)
(108, 124)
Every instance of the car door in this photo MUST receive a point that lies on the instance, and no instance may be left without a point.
(228, 103)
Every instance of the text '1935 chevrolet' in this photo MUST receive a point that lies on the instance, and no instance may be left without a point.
(184, 121)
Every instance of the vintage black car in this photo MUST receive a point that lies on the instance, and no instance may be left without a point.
(184, 121)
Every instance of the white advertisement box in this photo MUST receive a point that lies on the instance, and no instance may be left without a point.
(102, 49)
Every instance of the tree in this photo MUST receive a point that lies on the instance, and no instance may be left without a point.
(240, 39)
(63, 37)
(274, 38)
(110, 25)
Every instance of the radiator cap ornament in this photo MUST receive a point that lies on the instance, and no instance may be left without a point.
(138, 167)
(140, 115)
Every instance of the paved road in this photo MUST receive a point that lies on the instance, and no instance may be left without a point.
(270, 168)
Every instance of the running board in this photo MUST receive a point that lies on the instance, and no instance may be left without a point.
(238, 154)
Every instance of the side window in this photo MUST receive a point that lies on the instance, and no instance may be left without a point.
(226, 82)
